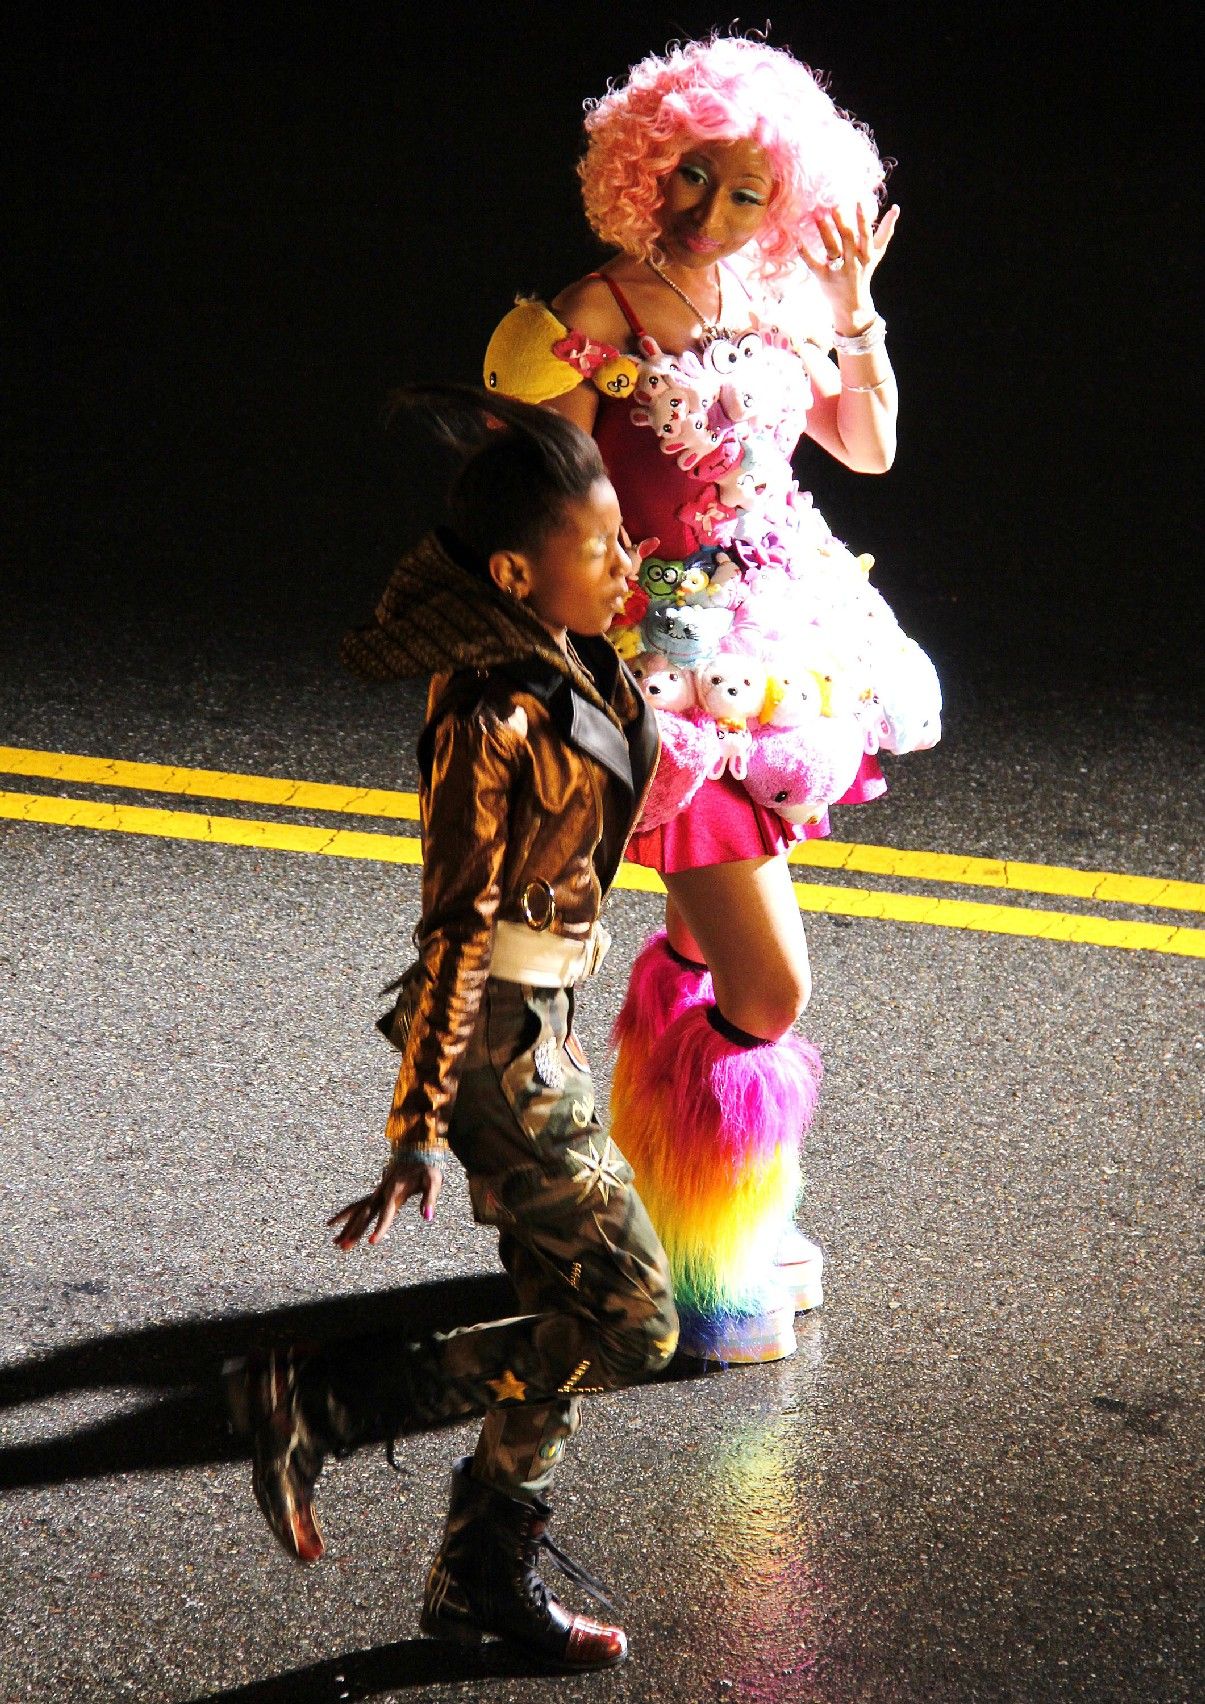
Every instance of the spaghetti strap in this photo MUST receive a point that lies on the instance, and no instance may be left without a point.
(625, 307)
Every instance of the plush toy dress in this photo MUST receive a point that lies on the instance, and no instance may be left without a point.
(777, 672)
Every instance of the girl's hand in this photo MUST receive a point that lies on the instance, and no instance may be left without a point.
(852, 251)
(400, 1180)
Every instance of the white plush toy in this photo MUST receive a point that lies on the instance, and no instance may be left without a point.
(732, 689)
(909, 698)
(674, 395)
(664, 684)
(792, 699)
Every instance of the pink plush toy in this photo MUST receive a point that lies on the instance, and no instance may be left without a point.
(688, 757)
(674, 396)
(799, 772)
(760, 380)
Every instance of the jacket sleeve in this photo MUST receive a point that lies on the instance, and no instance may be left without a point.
(473, 770)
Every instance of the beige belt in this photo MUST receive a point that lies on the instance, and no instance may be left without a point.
(544, 960)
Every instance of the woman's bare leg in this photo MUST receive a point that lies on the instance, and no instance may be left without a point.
(742, 920)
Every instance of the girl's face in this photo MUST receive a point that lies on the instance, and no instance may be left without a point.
(715, 201)
(578, 577)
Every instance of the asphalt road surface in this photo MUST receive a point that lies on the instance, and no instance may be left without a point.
(979, 1479)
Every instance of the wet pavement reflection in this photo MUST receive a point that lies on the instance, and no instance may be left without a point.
(757, 1489)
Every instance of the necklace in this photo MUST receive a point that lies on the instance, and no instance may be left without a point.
(711, 328)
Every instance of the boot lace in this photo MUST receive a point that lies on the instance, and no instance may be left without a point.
(572, 1570)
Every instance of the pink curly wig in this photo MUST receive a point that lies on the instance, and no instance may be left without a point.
(724, 89)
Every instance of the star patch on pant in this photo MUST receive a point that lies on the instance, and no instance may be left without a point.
(597, 1171)
(508, 1388)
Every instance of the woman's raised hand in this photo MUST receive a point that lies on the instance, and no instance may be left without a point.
(853, 249)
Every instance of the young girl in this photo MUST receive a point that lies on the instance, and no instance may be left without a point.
(534, 760)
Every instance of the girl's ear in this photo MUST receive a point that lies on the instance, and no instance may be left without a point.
(511, 573)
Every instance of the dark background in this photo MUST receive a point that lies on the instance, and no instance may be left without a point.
(235, 227)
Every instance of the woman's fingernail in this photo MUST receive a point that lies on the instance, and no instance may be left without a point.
(428, 1213)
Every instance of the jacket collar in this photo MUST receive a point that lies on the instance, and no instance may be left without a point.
(581, 717)
(441, 614)
(618, 686)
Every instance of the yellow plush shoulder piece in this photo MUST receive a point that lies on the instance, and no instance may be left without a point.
(533, 357)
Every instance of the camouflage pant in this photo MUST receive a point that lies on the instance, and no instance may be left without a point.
(589, 1270)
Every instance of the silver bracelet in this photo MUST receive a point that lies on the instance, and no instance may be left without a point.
(862, 342)
(877, 385)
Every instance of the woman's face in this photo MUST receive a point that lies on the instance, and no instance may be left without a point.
(578, 578)
(715, 201)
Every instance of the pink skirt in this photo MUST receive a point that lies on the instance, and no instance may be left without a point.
(869, 783)
(723, 825)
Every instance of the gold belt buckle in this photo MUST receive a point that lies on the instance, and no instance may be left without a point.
(548, 910)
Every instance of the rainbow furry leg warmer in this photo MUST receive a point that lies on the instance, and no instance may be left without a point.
(661, 987)
(712, 1123)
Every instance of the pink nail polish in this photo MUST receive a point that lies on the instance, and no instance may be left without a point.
(428, 1213)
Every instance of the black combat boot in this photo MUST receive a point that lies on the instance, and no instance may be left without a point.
(287, 1452)
(297, 1407)
(485, 1579)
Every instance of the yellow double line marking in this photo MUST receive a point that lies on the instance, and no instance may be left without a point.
(207, 784)
(402, 849)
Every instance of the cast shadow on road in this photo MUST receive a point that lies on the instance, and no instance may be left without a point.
(184, 1425)
(406, 1664)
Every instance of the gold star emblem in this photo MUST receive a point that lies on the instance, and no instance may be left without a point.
(597, 1171)
(508, 1388)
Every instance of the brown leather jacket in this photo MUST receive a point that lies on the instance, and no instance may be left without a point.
(533, 768)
